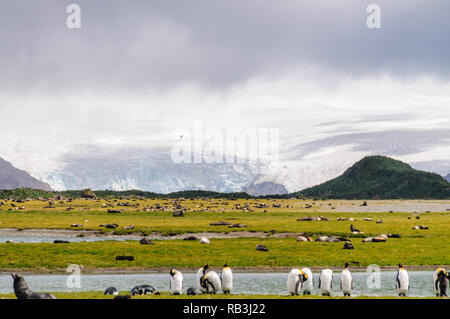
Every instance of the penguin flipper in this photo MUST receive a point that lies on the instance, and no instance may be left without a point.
(297, 285)
(398, 281)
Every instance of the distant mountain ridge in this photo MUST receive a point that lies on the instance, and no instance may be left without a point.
(265, 188)
(12, 178)
(379, 177)
(373, 177)
(447, 178)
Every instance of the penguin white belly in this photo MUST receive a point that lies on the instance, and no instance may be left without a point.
(227, 280)
(402, 281)
(293, 282)
(326, 281)
(308, 284)
(346, 282)
(176, 283)
(435, 284)
(212, 280)
(199, 278)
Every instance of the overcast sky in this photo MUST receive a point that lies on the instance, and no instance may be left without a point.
(137, 71)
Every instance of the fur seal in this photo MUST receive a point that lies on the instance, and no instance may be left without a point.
(23, 292)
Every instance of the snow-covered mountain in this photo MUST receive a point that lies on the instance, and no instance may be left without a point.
(302, 164)
(447, 178)
(145, 169)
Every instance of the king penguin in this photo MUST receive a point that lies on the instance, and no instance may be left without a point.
(294, 281)
(326, 282)
(308, 284)
(200, 273)
(176, 282)
(440, 282)
(211, 282)
(402, 281)
(227, 279)
(346, 281)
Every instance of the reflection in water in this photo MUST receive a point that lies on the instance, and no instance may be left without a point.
(244, 283)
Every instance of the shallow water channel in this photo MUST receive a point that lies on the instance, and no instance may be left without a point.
(244, 283)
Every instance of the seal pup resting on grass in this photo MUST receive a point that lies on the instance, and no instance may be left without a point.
(23, 292)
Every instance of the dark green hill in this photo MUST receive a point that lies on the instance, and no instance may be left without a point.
(379, 177)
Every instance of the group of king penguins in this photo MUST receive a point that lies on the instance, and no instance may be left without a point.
(440, 281)
(299, 281)
(302, 281)
(208, 281)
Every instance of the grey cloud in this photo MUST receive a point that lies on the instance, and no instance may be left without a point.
(391, 142)
(162, 43)
(373, 118)
(440, 167)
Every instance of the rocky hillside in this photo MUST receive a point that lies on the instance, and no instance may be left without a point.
(12, 178)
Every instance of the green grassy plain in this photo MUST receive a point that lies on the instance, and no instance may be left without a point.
(286, 252)
(278, 220)
(416, 247)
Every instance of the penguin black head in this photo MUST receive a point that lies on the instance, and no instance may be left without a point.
(225, 266)
(156, 292)
(206, 266)
(400, 266)
(172, 272)
(346, 265)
